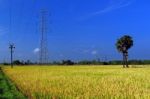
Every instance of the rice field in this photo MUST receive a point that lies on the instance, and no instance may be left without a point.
(81, 82)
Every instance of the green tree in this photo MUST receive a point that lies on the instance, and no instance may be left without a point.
(123, 45)
(67, 62)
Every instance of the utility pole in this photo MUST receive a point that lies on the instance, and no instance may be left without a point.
(11, 47)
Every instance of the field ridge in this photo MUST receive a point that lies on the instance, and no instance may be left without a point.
(8, 90)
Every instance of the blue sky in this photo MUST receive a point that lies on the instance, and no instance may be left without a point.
(79, 29)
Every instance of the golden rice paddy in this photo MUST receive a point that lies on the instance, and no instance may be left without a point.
(81, 82)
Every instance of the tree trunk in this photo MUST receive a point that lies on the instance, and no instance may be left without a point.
(126, 60)
(123, 60)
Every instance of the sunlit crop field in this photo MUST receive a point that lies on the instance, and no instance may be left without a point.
(81, 82)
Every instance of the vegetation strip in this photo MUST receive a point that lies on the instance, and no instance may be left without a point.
(8, 89)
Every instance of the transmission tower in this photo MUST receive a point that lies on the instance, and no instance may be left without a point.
(43, 41)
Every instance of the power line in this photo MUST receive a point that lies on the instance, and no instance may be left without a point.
(10, 20)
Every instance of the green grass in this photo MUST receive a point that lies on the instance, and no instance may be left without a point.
(8, 89)
(81, 82)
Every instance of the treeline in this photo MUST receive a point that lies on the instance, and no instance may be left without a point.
(95, 62)
(85, 62)
(18, 62)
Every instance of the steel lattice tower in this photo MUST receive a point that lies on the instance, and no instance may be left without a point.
(43, 42)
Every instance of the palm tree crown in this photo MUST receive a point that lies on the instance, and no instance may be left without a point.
(124, 43)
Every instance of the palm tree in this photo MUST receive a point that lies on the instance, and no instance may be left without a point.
(123, 45)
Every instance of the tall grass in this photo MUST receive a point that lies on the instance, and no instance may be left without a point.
(81, 82)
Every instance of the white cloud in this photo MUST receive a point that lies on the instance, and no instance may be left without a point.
(36, 50)
(61, 55)
(94, 52)
(3, 31)
(86, 51)
(112, 5)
